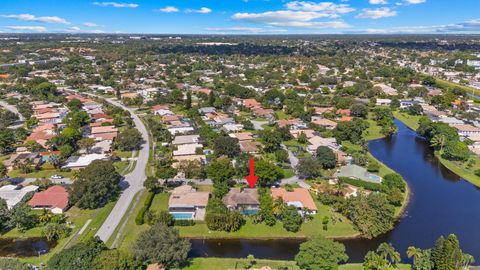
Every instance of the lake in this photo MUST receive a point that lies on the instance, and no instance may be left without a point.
(441, 203)
(24, 247)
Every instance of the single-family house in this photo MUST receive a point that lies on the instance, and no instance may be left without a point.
(55, 199)
(80, 162)
(187, 203)
(357, 172)
(298, 197)
(246, 200)
(13, 194)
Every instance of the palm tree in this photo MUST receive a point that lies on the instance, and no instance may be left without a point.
(388, 252)
(467, 260)
(438, 141)
(339, 186)
(414, 252)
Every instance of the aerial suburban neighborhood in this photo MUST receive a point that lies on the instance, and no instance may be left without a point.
(244, 150)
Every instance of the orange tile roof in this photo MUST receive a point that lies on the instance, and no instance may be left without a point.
(297, 195)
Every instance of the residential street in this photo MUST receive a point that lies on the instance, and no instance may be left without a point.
(134, 180)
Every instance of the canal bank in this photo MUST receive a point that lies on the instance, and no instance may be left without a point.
(440, 203)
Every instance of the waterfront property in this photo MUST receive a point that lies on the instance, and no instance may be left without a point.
(298, 197)
(55, 199)
(243, 199)
(357, 172)
(187, 203)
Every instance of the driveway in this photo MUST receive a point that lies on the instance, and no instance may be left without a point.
(133, 182)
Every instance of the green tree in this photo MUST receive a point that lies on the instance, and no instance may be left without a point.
(446, 254)
(128, 140)
(220, 170)
(388, 253)
(320, 253)
(95, 185)
(291, 219)
(80, 256)
(456, 150)
(7, 139)
(326, 157)
(22, 218)
(161, 244)
(309, 168)
(226, 146)
(115, 259)
(188, 101)
(87, 144)
(74, 105)
(267, 172)
(13, 264)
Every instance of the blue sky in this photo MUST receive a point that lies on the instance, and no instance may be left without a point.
(240, 16)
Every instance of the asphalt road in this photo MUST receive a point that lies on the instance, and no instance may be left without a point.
(134, 180)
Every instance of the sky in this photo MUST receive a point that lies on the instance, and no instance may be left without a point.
(241, 16)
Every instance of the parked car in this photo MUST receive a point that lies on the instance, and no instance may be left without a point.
(56, 176)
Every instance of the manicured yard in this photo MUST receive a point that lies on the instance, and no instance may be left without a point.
(342, 228)
(231, 263)
(44, 172)
(410, 120)
(373, 132)
(460, 168)
(449, 84)
(132, 230)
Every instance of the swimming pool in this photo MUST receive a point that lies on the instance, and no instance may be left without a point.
(182, 215)
(249, 212)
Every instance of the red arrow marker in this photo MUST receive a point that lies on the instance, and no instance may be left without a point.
(252, 179)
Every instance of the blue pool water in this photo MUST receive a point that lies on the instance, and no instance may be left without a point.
(182, 215)
(374, 178)
(249, 212)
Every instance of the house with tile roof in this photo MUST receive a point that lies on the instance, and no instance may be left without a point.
(55, 199)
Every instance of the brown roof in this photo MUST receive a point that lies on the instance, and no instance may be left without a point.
(186, 195)
(297, 195)
(238, 196)
(325, 122)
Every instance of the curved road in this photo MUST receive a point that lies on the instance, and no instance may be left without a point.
(133, 181)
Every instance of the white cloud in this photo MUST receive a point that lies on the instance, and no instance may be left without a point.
(415, 2)
(328, 7)
(168, 9)
(23, 28)
(203, 10)
(115, 4)
(33, 18)
(90, 24)
(468, 27)
(253, 30)
(378, 2)
(376, 13)
(290, 18)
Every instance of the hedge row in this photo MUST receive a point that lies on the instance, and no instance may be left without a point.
(139, 219)
(366, 185)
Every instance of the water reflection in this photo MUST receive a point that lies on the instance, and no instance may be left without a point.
(441, 203)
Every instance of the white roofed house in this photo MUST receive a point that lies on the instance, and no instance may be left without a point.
(14, 194)
(187, 149)
(80, 162)
(186, 139)
(317, 141)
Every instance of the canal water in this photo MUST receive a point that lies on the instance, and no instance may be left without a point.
(24, 247)
(441, 203)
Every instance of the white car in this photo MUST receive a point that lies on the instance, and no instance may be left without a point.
(56, 176)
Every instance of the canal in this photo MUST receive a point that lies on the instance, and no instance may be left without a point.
(441, 203)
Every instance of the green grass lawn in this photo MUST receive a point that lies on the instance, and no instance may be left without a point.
(123, 154)
(75, 215)
(359, 266)
(44, 172)
(120, 166)
(373, 132)
(451, 85)
(281, 115)
(410, 120)
(131, 230)
(342, 228)
(231, 263)
(460, 168)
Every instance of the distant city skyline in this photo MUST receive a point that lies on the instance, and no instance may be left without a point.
(242, 16)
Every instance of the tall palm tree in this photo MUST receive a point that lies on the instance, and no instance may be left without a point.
(388, 252)
(467, 260)
(438, 141)
(414, 252)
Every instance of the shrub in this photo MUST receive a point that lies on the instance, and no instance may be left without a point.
(140, 218)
